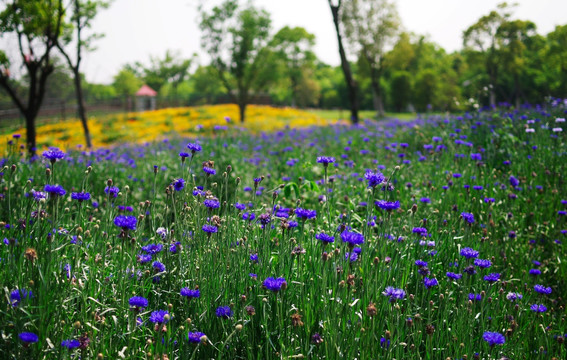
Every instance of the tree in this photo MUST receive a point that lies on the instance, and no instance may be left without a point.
(37, 26)
(237, 39)
(351, 84)
(126, 82)
(294, 49)
(206, 84)
(401, 85)
(84, 11)
(482, 37)
(371, 25)
(556, 58)
(169, 70)
(513, 36)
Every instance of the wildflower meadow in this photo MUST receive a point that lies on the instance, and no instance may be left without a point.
(437, 238)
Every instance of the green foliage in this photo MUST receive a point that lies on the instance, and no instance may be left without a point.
(244, 32)
(126, 83)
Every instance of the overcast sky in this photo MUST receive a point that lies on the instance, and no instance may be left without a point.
(136, 29)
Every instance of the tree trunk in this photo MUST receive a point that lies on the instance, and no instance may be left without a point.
(242, 110)
(30, 133)
(377, 98)
(492, 98)
(351, 83)
(518, 91)
(81, 108)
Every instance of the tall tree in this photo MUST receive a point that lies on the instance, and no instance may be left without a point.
(556, 58)
(171, 69)
(36, 26)
(371, 25)
(351, 84)
(83, 13)
(237, 39)
(513, 37)
(294, 48)
(482, 37)
(126, 82)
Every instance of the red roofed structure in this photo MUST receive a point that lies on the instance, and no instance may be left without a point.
(145, 90)
(146, 98)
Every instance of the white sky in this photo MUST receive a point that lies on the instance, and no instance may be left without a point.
(136, 29)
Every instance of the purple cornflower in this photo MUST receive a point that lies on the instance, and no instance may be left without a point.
(542, 289)
(210, 229)
(209, 171)
(70, 344)
(325, 160)
(53, 154)
(469, 253)
(17, 295)
(142, 258)
(324, 238)
(159, 316)
(212, 203)
(493, 277)
(178, 184)
(514, 296)
(28, 337)
(112, 191)
(38, 195)
(194, 147)
(420, 231)
(195, 337)
(55, 190)
(374, 178)
(393, 293)
(224, 312)
(476, 157)
(240, 206)
(468, 217)
(138, 302)
(475, 297)
(352, 238)
(190, 293)
(274, 285)
(534, 272)
(183, 155)
(429, 283)
(454, 276)
(126, 222)
(538, 308)
(158, 266)
(493, 338)
(481, 263)
(514, 181)
(421, 263)
(305, 213)
(387, 205)
(152, 248)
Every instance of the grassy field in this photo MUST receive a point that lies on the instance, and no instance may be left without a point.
(364, 114)
(435, 238)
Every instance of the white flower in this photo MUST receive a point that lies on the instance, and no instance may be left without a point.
(162, 232)
(530, 130)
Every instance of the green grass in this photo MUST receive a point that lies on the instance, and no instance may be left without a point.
(363, 114)
(82, 268)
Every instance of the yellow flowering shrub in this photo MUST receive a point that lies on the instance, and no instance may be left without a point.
(155, 125)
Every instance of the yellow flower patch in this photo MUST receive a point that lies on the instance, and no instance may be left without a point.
(155, 125)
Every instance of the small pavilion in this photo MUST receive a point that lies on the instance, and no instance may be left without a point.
(146, 98)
